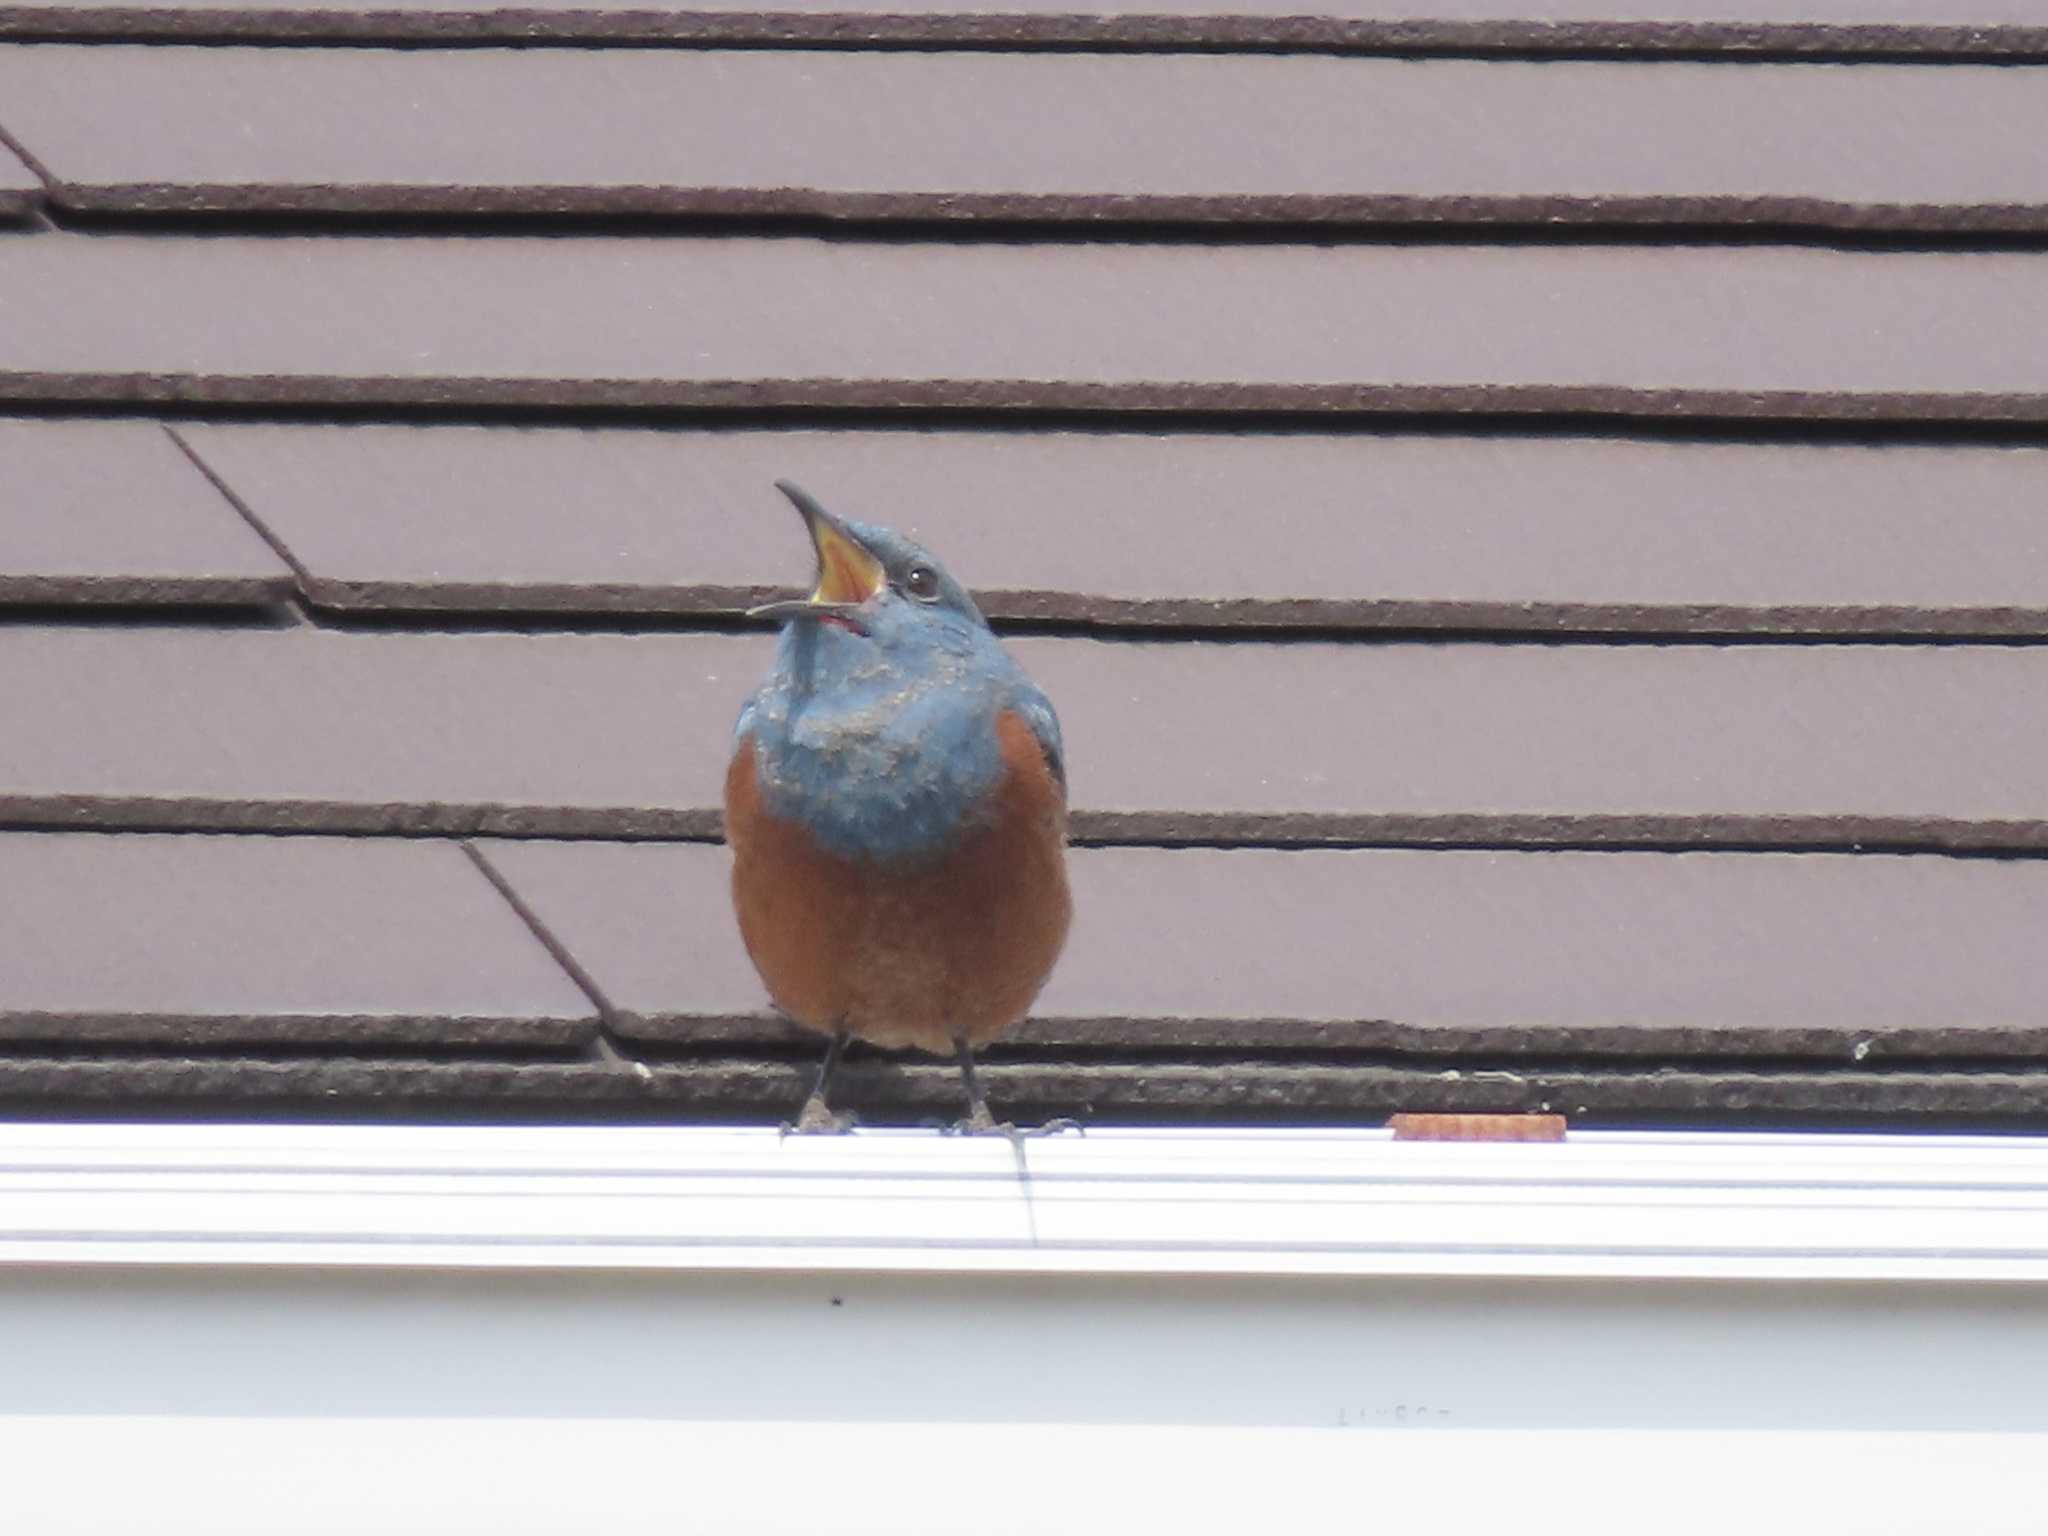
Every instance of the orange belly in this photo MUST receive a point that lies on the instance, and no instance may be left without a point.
(953, 949)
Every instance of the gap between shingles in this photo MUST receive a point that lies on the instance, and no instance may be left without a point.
(41, 172)
(604, 1047)
(35, 207)
(301, 578)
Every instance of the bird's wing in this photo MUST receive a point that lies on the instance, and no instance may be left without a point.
(745, 723)
(1037, 712)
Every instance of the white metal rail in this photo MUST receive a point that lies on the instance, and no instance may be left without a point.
(1606, 1205)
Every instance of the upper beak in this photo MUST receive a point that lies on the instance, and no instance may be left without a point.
(847, 574)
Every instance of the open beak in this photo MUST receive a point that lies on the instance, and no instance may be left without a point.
(847, 574)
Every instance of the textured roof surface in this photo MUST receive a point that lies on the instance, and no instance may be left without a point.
(1535, 518)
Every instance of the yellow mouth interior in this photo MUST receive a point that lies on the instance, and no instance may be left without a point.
(846, 572)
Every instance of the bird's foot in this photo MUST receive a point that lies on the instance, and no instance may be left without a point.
(979, 1122)
(1055, 1127)
(982, 1123)
(820, 1119)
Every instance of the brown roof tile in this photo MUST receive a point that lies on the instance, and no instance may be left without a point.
(1844, 958)
(765, 322)
(1532, 534)
(1115, 137)
(294, 729)
(204, 941)
(1794, 745)
(1934, 27)
(626, 735)
(113, 512)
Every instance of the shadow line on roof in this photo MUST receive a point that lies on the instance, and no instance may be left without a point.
(596, 26)
(90, 603)
(1575, 408)
(657, 213)
(1277, 622)
(1761, 832)
(1703, 427)
(700, 829)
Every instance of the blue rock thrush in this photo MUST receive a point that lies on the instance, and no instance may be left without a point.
(896, 806)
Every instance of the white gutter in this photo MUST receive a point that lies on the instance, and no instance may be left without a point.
(1703, 1206)
(229, 1329)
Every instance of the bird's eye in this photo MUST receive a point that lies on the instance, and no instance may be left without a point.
(922, 583)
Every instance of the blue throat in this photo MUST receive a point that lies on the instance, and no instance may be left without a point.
(878, 755)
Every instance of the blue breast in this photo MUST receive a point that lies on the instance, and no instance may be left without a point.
(879, 756)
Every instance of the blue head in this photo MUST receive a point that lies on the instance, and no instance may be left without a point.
(876, 728)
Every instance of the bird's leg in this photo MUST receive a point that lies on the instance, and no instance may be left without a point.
(817, 1114)
(979, 1121)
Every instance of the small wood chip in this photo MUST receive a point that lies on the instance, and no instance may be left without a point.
(1477, 1127)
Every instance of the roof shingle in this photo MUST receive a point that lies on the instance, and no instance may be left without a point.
(182, 942)
(1833, 957)
(1282, 530)
(112, 512)
(627, 736)
(850, 134)
(799, 322)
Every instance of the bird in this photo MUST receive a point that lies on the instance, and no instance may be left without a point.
(896, 809)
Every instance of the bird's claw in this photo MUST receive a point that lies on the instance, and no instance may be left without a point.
(982, 1123)
(979, 1122)
(820, 1119)
(1056, 1127)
